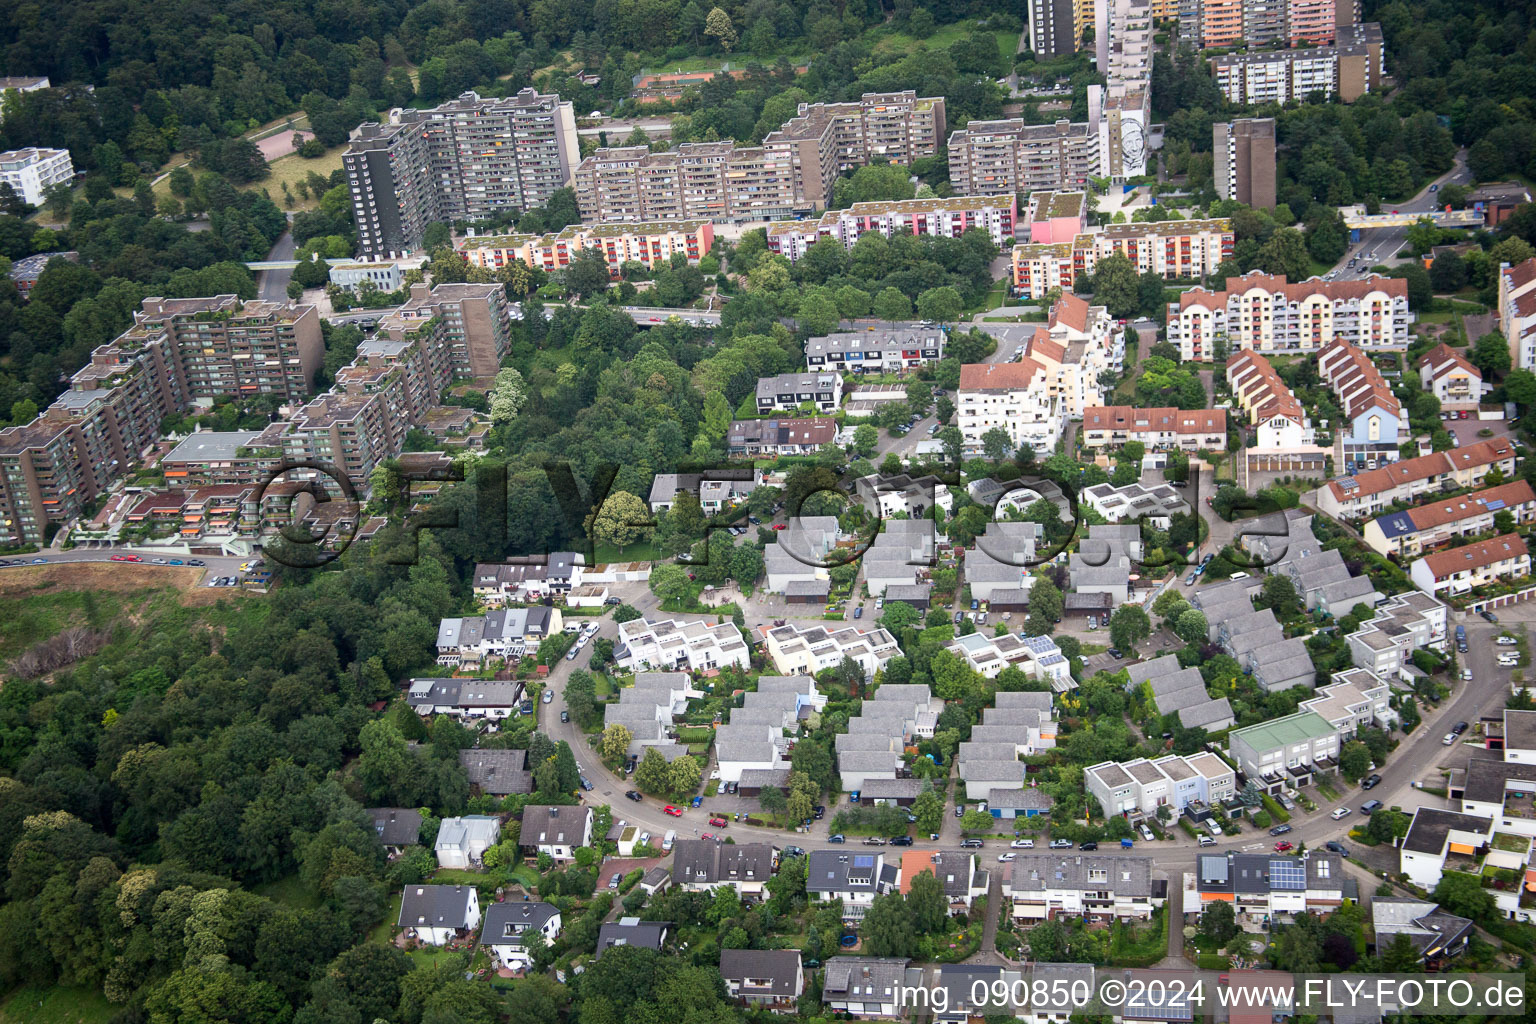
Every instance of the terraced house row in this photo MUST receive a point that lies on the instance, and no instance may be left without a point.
(791, 172)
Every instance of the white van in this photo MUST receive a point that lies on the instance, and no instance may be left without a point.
(666, 841)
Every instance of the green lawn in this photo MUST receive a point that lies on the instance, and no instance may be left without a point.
(35, 617)
(632, 553)
(890, 41)
(289, 890)
(56, 1005)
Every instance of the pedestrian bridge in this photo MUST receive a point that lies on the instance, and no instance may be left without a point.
(287, 264)
(1356, 219)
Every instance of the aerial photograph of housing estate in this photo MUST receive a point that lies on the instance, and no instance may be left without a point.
(726, 511)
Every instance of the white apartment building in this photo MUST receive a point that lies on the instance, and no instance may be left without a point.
(1517, 311)
(679, 645)
(1371, 492)
(1445, 373)
(1384, 645)
(1459, 570)
(651, 244)
(1014, 397)
(946, 217)
(1355, 698)
(1175, 248)
(1285, 749)
(823, 391)
(1265, 312)
(1036, 656)
(804, 650)
(32, 172)
(1138, 788)
(1039, 267)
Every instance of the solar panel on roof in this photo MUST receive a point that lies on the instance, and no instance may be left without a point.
(863, 861)
(1287, 874)
(1494, 505)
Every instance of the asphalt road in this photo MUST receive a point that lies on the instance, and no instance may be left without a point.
(217, 565)
(273, 284)
(1385, 242)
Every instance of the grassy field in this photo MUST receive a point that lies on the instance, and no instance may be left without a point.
(890, 41)
(632, 553)
(291, 891)
(56, 1005)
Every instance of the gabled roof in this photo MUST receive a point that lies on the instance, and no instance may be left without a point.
(436, 906)
(395, 826)
(1475, 556)
(1424, 467)
(779, 967)
(506, 923)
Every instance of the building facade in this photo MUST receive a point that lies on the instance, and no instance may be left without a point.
(1348, 68)
(1244, 152)
(650, 244)
(32, 172)
(948, 217)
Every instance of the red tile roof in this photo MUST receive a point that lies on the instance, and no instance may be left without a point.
(1272, 398)
(1453, 510)
(1375, 481)
(1475, 556)
(1442, 356)
(1179, 421)
(1355, 379)
(1521, 273)
(999, 376)
(1072, 311)
(1277, 284)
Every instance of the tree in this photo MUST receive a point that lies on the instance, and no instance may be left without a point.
(1218, 922)
(953, 442)
(942, 304)
(717, 25)
(996, 444)
(1285, 253)
(684, 774)
(615, 741)
(887, 926)
(865, 439)
(772, 799)
(1278, 594)
(653, 774)
(892, 305)
(976, 821)
(1354, 760)
(1491, 354)
(587, 274)
(1045, 605)
(622, 520)
(1463, 895)
(1129, 626)
(927, 904)
(508, 396)
(818, 315)
(928, 809)
(1192, 626)
(1116, 286)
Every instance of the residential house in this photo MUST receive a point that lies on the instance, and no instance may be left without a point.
(765, 979)
(1137, 789)
(676, 644)
(1156, 506)
(527, 578)
(397, 828)
(1517, 311)
(787, 392)
(1108, 886)
(1163, 427)
(889, 351)
(864, 986)
(1324, 583)
(1284, 438)
(1457, 571)
(1012, 397)
(1355, 698)
(807, 649)
(1255, 639)
(506, 633)
(854, 877)
(1437, 935)
(462, 842)
(557, 830)
(1384, 645)
(1431, 525)
(890, 496)
(1436, 834)
(1284, 752)
(435, 915)
(1266, 884)
(1181, 691)
(1371, 492)
(703, 865)
(497, 772)
(464, 697)
(1104, 560)
(510, 928)
(1374, 423)
(716, 490)
(1445, 373)
(758, 438)
(631, 931)
(1036, 656)
(1002, 558)
(647, 710)
(956, 870)
(899, 555)
(800, 553)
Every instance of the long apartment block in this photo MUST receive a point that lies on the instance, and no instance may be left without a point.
(791, 172)
(948, 217)
(468, 159)
(1349, 68)
(1178, 248)
(176, 351)
(1222, 23)
(1000, 157)
(620, 243)
(1269, 314)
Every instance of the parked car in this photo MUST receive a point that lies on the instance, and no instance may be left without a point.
(970, 844)
(565, 716)
(676, 812)
(1004, 858)
(1146, 833)
(718, 822)
(1061, 844)
(873, 841)
(1336, 847)
(1372, 782)
(1114, 652)
(901, 840)
(1466, 675)
(1485, 613)
(1088, 845)
(1459, 728)
(837, 838)
(613, 883)
(1279, 830)
(819, 810)
(634, 794)
(697, 801)
(959, 810)
(858, 612)
(1506, 641)
(1206, 840)
(549, 695)
(1370, 807)
(1340, 813)
(1023, 844)
(1282, 846)
(1450, 738)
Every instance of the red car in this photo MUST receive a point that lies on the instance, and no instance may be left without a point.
(718, 822)
(674, 811)
(707, 835)
(779, 526)
(132, 558)
(119, 558)
(1282, 847)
